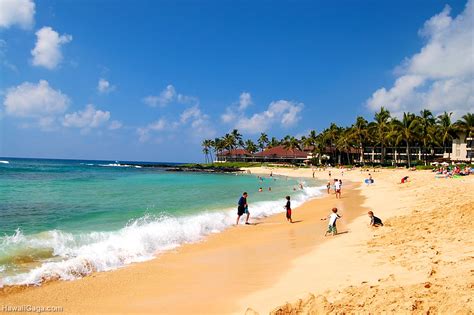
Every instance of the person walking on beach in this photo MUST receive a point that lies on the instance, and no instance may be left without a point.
(328, 186)
(288, 209)
(332, 222)
(337, 187)
(242, 208)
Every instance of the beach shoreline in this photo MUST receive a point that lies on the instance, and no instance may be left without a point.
(225, 244)
(257, 268)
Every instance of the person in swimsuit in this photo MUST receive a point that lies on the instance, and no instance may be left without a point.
(243, 208)
(288, 209)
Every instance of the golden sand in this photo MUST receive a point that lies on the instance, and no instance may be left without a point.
(416, 262)
(421, 261)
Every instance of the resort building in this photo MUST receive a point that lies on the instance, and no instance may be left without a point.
(463, 148)
(276, 154)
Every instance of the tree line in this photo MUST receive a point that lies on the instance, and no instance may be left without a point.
(425, 131)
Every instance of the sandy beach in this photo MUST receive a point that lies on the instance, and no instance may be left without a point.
(422, 259)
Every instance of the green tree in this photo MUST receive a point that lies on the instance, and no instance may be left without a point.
(250, 146)
(345, 143)
(262, 141)
(291, 144)
(238, 141)
(408, 129)
(360, 132)
(379, 129)
(446, 129)
(426, 131)
(273, 143)
(466, 124)
(205, 149)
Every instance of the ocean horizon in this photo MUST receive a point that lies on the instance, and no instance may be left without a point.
(64, 219)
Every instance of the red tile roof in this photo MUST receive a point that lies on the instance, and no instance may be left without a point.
(236, 152)
(280, 151)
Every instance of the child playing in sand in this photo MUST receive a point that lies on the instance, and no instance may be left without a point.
(374, 221)
(332, 222)
(288, 209)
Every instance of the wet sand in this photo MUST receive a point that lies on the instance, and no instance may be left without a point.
(207, 277)
(420, 261)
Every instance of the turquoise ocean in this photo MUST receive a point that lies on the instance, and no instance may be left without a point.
(63, 219)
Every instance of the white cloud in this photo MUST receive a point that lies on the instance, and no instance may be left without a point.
(115, 124)
(47, 52)
(167, 96)
(17, 12)
(281, 112)
(441, 76)
(86, 119)
(199, 122)
(104, 86)
(231, 112)
(3, 57)
(144, 133)
(192, 121)
(245, 100)
(35, 100)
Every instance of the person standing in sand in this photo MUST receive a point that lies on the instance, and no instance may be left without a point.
(242, 208)
(337, 187)
(288, 209)
(328, 186)
(332, 222)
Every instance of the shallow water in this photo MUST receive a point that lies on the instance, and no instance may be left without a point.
(67, 218)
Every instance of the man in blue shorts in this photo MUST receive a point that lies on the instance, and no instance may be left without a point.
(243, 208)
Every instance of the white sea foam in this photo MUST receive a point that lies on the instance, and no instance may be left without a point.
(4, 162)
(118, 165)
(77, 255)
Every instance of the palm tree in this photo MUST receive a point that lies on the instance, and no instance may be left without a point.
(238, 141)
(229, 141)
(360, 132)
(262, 141)
(408, 129)
(291, 144)
(426, 123)
(250, 146)
(344, 143)
(218, 145)
(205, 149)
(332, 134)
(273, 143)
(379, 129)
(446, 129)
(466, 124)
(310, 141)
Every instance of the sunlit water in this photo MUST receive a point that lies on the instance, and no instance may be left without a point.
(62, 219)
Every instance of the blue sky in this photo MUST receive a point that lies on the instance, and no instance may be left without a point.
(148, 80)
